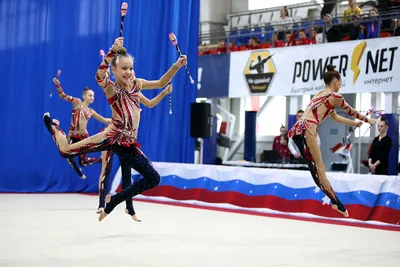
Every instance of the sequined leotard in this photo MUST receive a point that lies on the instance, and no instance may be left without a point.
(319, 109)
(125, 169)
(304, 134)
(77, 130)
(120, 135)
(79, 120)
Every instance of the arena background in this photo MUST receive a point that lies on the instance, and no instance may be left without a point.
(38, 37)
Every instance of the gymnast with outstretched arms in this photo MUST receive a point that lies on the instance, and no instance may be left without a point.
(120, 135)
(107, 160)
(81, 113)
(304, 132)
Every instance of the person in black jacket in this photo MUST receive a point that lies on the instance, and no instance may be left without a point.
(378, 160)
(332, 33)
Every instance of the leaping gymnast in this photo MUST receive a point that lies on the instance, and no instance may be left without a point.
(120, 135)
(107, 160)
(81, 113)
(304, 132)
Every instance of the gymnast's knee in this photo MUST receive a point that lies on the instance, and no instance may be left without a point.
(155, 179)
(65, 150)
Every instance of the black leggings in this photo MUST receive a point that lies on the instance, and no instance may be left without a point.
(301, 143)
(126, 182)
(132, 156)
(84, 160)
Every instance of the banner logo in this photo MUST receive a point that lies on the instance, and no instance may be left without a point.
(358, 51)
(378, 65)
(259, 72)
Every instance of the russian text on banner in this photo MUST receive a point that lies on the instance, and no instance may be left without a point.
(366, 66)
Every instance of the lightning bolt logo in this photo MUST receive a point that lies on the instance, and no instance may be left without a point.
(355, 59)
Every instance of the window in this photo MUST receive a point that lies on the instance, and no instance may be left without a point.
(270, 120)
(363, 103)
(306, 100)
(220, 119)
(398, 104)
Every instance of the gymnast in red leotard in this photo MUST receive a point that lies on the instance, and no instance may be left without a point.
(304, 132)
(120, 135)
(81, 113)
(126, 173)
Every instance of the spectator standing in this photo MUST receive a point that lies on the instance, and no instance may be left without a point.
(352, 10)
(284, 24)
(378, 160)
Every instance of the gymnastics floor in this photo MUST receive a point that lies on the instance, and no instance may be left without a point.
(62, 230)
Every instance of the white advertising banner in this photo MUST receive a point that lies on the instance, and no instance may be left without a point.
(366, 66)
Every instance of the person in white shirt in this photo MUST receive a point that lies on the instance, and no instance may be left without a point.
(283, 24)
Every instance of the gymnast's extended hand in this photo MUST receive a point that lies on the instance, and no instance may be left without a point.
(118, 46)
(168, 89)
(182, 60)
(56, 82)
(358, 123)
(372, 121)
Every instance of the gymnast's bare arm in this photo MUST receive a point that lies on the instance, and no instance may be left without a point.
(102, 74)
(339, 101)
(153, 102)
(73, 100)
(100, 118)
(343, 120)
(164, 80)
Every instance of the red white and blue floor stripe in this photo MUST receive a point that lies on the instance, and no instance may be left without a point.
(367, 197)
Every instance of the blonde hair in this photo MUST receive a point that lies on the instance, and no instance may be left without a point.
(115, 60)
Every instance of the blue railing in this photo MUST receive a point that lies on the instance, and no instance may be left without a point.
(265, 33)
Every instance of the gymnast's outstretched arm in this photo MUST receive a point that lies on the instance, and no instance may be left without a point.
(345, 121)
(164, 80)
(73, 100)
(100, 118)
(339, 101)
(154, 102)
